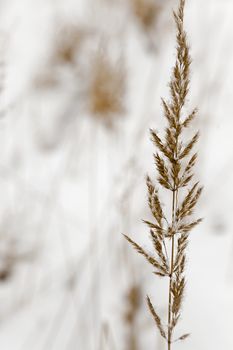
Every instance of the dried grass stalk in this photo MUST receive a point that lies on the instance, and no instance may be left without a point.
(174, 166)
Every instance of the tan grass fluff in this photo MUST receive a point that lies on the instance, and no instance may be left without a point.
(145, 12)
(106, 88)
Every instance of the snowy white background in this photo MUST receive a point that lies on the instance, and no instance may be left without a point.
(70, 184)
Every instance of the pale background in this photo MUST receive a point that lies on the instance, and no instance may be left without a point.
(72, 181)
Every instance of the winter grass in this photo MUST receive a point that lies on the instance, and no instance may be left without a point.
(174, 161)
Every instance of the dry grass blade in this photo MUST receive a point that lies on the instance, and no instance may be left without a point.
(182, 243)
(156, 229)
(186, 228)
(177, 290)
(183, 337)
(158, 246)
(189, 146)
(159, 144)
(191, 163)
(169, 114)
(189, 202)
(154, 202)
(187, 175)
(148, 257)
(190, 118)
(170, 139)
(156, 318)
(163, 171)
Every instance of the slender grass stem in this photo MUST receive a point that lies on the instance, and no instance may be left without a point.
(169, 340)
